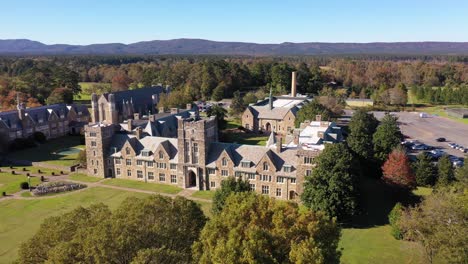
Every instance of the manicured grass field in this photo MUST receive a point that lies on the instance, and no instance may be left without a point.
(20, 219)
(10, 183)
(60, 151)
(376, 245)
(146, 186)
(83, 178)
(208, 195)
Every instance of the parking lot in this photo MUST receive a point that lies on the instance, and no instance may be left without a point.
(427, 130)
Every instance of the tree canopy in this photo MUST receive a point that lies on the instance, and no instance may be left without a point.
(397, 170)
(445, 171)
(386, 137)
(228, 186)
(424, 170)
(140, 229)
(333, 185)
(256, 229)
(361, 130)
(310, 110)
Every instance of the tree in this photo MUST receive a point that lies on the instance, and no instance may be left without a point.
(81, 159)
(361, 130)
(250, 98)
(386, 137)
(461, 174)
(220, 114)
(256, 229)
(424, 170)
(60, 96)
(237, 105)
(397, 170)
(332, 187)
(310, 111)
(228, 187)
(121, 81)
(394, 220)
(218, 93)
(157, 224)
(440, 225)
(445, 171)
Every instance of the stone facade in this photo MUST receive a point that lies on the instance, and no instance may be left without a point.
(52, 120)
(194, 158)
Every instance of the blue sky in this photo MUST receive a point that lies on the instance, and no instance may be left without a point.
(274, 21)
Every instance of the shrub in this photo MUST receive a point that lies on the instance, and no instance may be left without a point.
(42, 178)
(22, 143)
(394, 219)
(57, 187)
(3, 193)
(24, 185)
(39, 137)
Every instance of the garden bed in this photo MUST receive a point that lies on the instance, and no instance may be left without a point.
(57, 187)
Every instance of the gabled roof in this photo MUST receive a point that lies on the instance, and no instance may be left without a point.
(141, 98)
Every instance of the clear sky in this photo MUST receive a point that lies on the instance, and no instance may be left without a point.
(262, 21)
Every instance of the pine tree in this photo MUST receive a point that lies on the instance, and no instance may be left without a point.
(387, 137)
(425, 171)
(445, 171)
(362, 127)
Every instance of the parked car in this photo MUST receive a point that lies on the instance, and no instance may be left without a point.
(441, 139)
(420, 147)
(452, 145)
(464, 150)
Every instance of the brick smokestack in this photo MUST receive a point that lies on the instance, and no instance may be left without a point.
(293, 84)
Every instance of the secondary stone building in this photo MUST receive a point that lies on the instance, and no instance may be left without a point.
(113, 108)
(193, 157)
(275, 113)
(51, 120)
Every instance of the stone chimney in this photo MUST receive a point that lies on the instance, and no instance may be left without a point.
(174, 111)
(318, 118)
(293, 84)
(279, 143)
(296, 137)
(189, 106)
(139, 133)
(129, 124)
(161, 110)
(136, 116)
(151, 118)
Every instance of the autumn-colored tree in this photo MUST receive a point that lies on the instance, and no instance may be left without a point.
(9, 102)
(121, 81)
(397, 170)
(60, 95)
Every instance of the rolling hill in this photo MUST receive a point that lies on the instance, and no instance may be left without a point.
(201, 46)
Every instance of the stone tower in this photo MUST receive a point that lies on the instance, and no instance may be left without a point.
(194, 139)
(98, 139)
(94, 108)
(112, 113)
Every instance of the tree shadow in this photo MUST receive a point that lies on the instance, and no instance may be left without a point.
(377, 200)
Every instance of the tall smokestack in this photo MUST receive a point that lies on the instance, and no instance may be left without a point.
(293, 84)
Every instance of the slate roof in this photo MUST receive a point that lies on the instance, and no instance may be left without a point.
(147, 143)
(41, 113)
(141, 98)
(281, 106)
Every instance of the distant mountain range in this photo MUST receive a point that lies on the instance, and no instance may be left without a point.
(201, 46)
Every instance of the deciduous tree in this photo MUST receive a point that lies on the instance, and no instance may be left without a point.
(397, 170)
(257, 229)
(310, 111)
(60, 96)
(228, 187)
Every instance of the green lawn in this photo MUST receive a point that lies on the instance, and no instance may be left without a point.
(376, 245)
(20, 219)
(10, 183)
(243, 138)
(367, 238)
(146, 186)
(83, 177)
(60, 151)
(208, 195)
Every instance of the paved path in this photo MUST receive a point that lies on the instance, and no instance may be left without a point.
(184, 193)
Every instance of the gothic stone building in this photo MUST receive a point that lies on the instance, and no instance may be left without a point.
(114, 108)
(193, 157)
(51, 120)
(275, 113)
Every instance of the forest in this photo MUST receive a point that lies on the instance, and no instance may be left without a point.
(384, 78)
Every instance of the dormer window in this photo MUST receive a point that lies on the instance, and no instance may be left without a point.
(127, 151)
(145, 153)
(245, 164)
(287, 168)
(161, 155)
(224, 162)
(265, 166)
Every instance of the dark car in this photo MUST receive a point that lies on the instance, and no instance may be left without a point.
(441, 139)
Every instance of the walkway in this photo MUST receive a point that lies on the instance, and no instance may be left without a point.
(187, 193)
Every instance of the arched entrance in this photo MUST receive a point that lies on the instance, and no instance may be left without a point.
(268, 127)
(191, 179)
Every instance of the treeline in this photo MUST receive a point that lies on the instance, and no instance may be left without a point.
(199, 77)
(442, 95)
